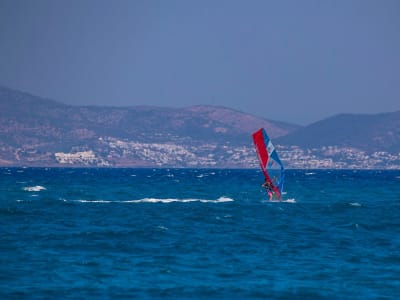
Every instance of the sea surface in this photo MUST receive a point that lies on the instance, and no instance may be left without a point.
(198, 234)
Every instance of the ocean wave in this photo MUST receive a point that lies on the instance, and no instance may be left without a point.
(95, 201)
(161, 200)
(292, 200)
(205, 174)
(170, 200)
(36, 188)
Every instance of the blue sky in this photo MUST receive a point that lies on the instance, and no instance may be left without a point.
(293, 61)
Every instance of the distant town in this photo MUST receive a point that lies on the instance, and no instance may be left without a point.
(216, 156)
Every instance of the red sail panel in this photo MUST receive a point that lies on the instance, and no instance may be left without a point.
(261, 148)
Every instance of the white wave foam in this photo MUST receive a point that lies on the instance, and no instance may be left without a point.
(36, 188)
(205, 174)
(290, 200)
(171, 200)
(95, 201)
(163, 228)
(160, 200)
(224, 199)
(355, 204)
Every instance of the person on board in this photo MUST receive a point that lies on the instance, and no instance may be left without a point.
(268, 187)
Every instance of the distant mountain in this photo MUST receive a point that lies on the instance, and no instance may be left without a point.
(370, 133)
(33, 129)
(40, 132)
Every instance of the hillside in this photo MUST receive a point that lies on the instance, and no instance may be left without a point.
(370, 133)
(33, 130)
(42, 132)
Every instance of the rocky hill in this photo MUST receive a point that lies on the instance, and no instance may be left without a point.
(369, 133)
(37, 131)
(41, 132)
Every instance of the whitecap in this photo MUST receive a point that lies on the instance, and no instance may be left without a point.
(171, 200)
(155, 200)
(205, 174)
(163, 228)
(290, 200)
(150, 200)
(221, 199)
(93, 201)
(36, 188)
(355, 204)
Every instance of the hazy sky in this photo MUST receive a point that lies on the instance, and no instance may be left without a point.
(294, 61)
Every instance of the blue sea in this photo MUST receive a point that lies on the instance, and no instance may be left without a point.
(198, 234)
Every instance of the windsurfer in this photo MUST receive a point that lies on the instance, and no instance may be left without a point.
(267, 154)
(268, 187)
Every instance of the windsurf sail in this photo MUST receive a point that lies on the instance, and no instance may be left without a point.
(270, 163)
